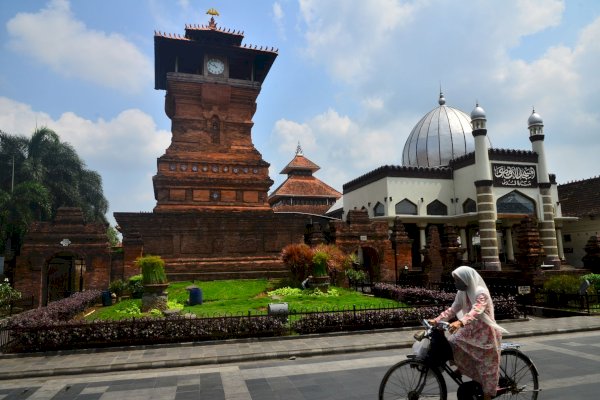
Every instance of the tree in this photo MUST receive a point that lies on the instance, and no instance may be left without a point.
(37, 176)
(29, 201)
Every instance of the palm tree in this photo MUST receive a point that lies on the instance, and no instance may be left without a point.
(26, 203)
(48, 174)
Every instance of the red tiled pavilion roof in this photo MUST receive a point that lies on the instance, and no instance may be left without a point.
(300, 162)
(304, 186)
(580, 199)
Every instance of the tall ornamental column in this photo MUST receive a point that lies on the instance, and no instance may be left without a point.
(546, 225)
(510, 251)
(463, 243)
(422, 237)
(486, 206)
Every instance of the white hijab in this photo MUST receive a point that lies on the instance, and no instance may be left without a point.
(475, 286)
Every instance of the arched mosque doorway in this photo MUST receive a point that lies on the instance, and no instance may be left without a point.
(63, 276)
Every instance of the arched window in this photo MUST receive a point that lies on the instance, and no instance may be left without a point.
(515, 203)
(436, 207)
(469, 206)
(378, 210)
(406, 207)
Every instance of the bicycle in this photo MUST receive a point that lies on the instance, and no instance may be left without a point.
(421, 376)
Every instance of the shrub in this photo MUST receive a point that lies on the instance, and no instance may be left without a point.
(361, 320)
(76, 334)
(356, 276)
(563, 284)
(412, 295)
(594, 280)
(8, 294)
(61, 310)
(135, 286)
(117, 287)
(298, 258)
(153, 270)
(319, 263)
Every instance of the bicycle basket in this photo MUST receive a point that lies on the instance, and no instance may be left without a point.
(421, 347)
(440, 350)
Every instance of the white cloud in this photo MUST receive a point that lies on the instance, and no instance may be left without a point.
(373, 103)
(55, 38)
(400, 52)
(123, 150)
(344, 148)
(279, 18)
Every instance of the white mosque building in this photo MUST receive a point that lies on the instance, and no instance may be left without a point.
(451, 175)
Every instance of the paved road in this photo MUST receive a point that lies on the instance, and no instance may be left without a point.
(323, 366)
(568, 366)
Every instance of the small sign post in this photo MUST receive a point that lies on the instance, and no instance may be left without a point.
(524, 289)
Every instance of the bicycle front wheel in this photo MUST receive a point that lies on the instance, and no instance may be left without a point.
(518, 376)
(412, 380)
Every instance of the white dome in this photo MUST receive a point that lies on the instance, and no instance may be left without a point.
(443, 134)
(535, 119)
(477, 113)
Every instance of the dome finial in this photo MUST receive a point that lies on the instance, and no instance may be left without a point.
(299, 150)
(212, 23)
(442, 99)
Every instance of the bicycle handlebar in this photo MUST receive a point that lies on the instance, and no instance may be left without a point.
(439, 325)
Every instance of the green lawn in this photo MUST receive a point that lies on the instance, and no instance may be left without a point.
(238, 297)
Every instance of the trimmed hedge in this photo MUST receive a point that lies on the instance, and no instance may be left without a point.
(363, 320)
(505, 307)
(77, 335)
(61, 310)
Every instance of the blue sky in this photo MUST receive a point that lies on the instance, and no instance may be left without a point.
(351, 80)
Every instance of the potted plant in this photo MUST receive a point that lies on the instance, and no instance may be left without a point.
(320, 275)
(117, 287)
(155, 282)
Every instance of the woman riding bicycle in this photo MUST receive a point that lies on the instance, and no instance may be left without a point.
(476, 336)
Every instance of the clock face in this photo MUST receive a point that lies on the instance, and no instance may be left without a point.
(215, 66)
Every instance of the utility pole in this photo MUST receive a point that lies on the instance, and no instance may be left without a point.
(12, 183)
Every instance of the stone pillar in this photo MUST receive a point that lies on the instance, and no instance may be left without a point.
(422, 238)
(463, 243)
(559, 242)
(510, 251)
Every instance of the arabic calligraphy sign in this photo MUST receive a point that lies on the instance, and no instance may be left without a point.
(512, 175)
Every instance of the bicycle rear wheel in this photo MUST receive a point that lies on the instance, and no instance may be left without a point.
(412, 380)
(518, 376)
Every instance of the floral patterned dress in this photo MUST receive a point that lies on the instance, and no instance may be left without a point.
(476, 345)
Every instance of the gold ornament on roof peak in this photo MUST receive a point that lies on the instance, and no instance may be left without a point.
(212, 11)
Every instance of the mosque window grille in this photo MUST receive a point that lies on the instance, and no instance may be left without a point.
(406, 207)
(469, 206)
(378, 210)
(436, 207)
(515, 203)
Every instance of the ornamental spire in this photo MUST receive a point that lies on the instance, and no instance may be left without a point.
(212, 23)
(299, 150)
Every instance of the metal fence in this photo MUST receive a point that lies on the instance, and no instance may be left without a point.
(352, 317)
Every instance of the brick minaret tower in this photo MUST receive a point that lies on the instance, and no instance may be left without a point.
(212, 81)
